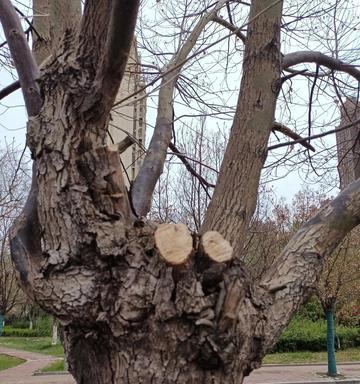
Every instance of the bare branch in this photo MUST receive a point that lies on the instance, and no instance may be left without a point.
(293, 135)
(25, 64)
(230, 27)
(155, 157)
(304, 139)
(125, 144)
(189, 167)
(197, 53)
(319, 58)
(9, 89)
(120, 34)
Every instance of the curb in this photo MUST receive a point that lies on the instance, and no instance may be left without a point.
(327, 381)
(309, 364)
(52, 373)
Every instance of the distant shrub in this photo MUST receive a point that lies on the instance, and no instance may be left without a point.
(20, 332)
(349, 315)
(312, 310)
(43, 325)
(303, 334)
(17, 321)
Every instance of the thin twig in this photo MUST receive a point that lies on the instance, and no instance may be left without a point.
(183, 159)
(304, 139)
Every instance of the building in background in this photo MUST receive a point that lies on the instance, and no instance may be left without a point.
(348, 143)
(129, 118)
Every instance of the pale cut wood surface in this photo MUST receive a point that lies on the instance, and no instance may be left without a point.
(174, 243)
(216, 247)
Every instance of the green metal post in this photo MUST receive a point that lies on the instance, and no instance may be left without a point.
(2, 321)
(330, 334)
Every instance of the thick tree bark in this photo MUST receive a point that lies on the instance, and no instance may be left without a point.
(52, 20)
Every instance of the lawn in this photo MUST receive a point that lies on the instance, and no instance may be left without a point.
(43, 345)
(56, 366)
(350, 354)
(33, 344)
(9, 362)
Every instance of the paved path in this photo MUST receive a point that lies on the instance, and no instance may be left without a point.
(23, 374)
(301, 373)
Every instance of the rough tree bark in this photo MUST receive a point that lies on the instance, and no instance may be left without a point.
(128, 316)
(235, 194)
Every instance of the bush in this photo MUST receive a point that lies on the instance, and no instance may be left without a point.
(17, 321)
(303, 334)
(43, 325)
(20, 332)
(312, 310)
(349, 315)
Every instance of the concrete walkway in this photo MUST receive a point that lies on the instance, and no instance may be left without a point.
(23, 373)
(296, 373)
(268, 374)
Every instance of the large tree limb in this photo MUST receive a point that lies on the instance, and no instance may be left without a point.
(153, 164)
(295, 273)
(235, 194)
(122, 20)
(52, 20)
(319, 58)
(25, 64)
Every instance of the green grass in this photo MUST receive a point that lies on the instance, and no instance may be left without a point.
(9, 362)
(43, 345)
(56, 366)
(303, 357)
(33, 344)
(350, 354)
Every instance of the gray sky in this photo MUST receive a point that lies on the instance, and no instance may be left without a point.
(325, 112)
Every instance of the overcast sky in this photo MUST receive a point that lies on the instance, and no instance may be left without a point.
(13, 118)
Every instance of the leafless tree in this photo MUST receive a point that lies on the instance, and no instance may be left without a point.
(14, 182)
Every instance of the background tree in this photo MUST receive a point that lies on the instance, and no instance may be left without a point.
(338, 287)
(14, 182)
(83, 247)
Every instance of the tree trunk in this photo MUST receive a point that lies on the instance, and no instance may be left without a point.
(155, 353)
(127, 315)
(54, 334)
(330, 337)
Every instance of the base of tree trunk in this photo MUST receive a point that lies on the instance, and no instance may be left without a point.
(170, 354)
